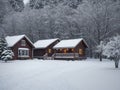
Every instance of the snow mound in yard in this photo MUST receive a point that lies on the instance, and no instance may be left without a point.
(59, 75)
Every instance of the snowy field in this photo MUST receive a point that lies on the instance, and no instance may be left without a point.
(59, 75)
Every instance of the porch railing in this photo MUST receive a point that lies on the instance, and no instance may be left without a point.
(66, 55)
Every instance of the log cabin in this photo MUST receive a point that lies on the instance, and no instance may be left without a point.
(72, 49)
(21, 46)
(44, 48)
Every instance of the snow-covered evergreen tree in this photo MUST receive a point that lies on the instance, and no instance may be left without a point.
(112, 49)
(3, 45)
(7, 55)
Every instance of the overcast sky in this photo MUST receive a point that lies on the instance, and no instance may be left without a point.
(25, 1)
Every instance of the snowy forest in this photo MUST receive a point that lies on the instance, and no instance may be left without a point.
(93, 20)
(87, 59)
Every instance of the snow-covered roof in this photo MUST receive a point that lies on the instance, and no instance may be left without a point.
(12, 40)
(44, 43)
(71, 43)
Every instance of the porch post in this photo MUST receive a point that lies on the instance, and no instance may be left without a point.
(54, 53)
(74, 53)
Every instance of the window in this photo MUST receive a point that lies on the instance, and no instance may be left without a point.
(80, 51)
(72, 49)
(23, 43)
(60, 49)
(65, 50)
(23, 52)
(49, 50)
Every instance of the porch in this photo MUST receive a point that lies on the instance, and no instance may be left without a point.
(66, 56)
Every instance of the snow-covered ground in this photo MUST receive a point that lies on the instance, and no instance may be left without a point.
(59, 75)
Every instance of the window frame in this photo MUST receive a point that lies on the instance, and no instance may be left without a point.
(23, 52)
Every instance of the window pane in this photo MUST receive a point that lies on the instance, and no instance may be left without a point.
(80, 51)
(49, 50)
(23, 43)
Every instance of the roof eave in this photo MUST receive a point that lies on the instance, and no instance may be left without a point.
(62, 47)
(40, 48)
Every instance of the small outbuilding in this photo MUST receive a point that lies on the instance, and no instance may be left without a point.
(44, 48)
(74, 49)
(21, 46)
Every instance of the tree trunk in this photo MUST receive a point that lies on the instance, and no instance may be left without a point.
(100, 56)
(116, 63)
(5, 60)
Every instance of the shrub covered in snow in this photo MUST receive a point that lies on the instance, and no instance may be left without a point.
(112, 49)
(7, 55)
